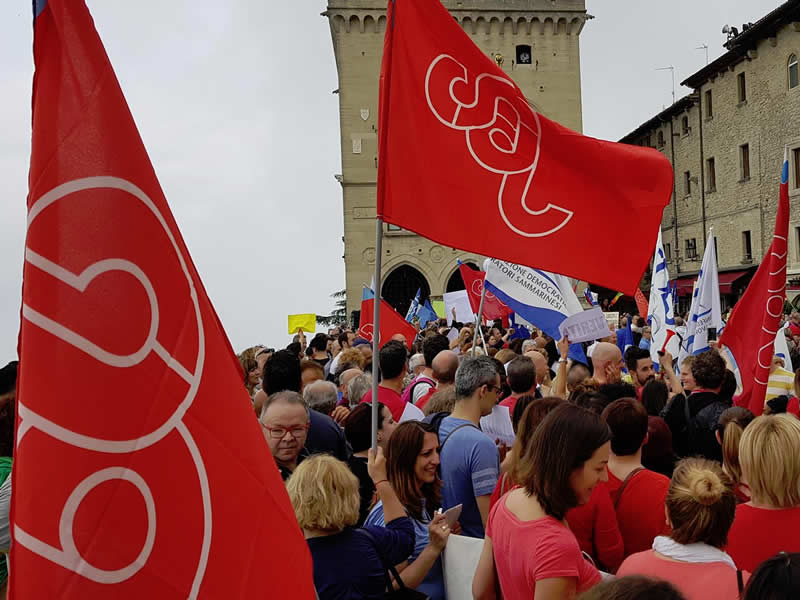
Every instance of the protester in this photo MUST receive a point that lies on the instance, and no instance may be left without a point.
(343, 380)
(310, 371)
(563, 462)
(285, 421)
(521, 377)
(780, 381)
(392, 360)
(348, 562)
(412, 459)
(321, 396)
(645, 341)
(357, 387)
(444, 367)
(345, 340)
(252, 375)
(442, 401)
(770, 521)
(700, 508)
(732, 424)
(637, 493)
(416, 363)
(432, 345)
(576, 374)
(607, 362)
(654, 396)
(633, 587)
(640, 367)
(777, 578)
(358, 431)
(470, 461)
(657, 454)
(8, 389)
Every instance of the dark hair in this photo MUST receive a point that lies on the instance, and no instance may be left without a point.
(521, 374)
(655, 394)
(519, 408)
(615, 391)
(392, 359)
(633, 587)
(401, 457)
(344, 338)
(627, 420)
(281, 372)
(432, 345)
(358, 426)
(319, 342)
(633, 355)
(8, 377)
(728, 388)
(309, 364)
(777, 578)
(530, 419)
(515, 345)
(563, 442)
(708, 369)
(777, 405)
(294, 348)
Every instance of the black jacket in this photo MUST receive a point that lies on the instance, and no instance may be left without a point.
(693, 429)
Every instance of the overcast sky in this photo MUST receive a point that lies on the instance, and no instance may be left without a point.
(233, 101)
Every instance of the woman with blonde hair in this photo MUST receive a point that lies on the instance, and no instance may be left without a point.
(252, 374)
(412, 459)
(770, 522)
(700, 508)
(729, 431)
(348, 562)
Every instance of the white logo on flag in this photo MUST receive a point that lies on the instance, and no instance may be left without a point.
(499, 139)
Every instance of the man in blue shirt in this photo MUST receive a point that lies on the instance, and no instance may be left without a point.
(647, 336)
(470, 462)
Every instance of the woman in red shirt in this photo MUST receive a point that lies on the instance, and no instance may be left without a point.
(560, 467)
(700, 509)
(729, 432)
(770, 522)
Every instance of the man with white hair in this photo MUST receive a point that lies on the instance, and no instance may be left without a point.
(416, 364)
(321, 396)
(528, 345)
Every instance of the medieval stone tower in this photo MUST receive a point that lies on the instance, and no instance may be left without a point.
(535, 41)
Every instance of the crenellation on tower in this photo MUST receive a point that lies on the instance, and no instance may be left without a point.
(535, 41)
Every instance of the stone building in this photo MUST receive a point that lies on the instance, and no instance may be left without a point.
(726, 141)
(535, 41)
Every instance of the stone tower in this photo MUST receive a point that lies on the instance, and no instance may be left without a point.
(535, 41)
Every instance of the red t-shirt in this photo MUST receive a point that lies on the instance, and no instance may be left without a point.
(551, 550)
(510, 403)
(400, 409)
(424, 400)
(759, 533)
(640, 511)
(596, 529)
(696, 581)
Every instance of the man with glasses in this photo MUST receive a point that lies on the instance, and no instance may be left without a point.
(285, 422)
(470, 461)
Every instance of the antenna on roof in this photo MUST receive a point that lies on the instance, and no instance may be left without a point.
(703, 47)
(672, 70)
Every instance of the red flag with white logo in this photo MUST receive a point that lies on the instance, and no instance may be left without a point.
(140, 469)
(493, 308)
(641, 303)
(751, 330)
(456, 133)
(391, 323)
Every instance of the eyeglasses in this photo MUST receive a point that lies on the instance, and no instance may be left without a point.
(278, 433)
(493, 388)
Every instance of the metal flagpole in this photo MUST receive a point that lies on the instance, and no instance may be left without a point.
(479, 318)
(376, 329)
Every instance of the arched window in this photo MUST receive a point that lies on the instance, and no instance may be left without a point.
(793, 74)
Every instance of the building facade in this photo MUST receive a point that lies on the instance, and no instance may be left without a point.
(726, 142)
(535, 41)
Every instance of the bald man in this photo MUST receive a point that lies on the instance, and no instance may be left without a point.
(444, 366)
(607, 361)
(542, 369)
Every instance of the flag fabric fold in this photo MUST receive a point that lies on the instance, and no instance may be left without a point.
(473, 283)
(391, 323)
(122, 480)
(412, 308)
(706, 311)
(753, 326)
(641, 303)
(660, 314)
(457, 133)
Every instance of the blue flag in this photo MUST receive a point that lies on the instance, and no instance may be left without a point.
(412, 309)
(426, 314)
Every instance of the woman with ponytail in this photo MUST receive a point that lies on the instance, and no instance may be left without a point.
(729, 431)
(700, 509)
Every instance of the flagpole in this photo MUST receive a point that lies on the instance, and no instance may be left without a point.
(478, 325)
(376, 329)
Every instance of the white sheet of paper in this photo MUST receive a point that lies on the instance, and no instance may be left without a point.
(460, 562)
(460, 301)
(497, 425)
(585, 326)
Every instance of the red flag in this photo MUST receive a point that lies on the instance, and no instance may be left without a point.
(751, 330)
(641, 303)
(140, 470)
(391, 323)
(458, 134)
(492, 307)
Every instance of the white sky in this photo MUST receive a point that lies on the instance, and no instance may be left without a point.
(233, 101)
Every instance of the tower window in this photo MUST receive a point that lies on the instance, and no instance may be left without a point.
(741, 86)
(709, 105)
(660, 138)
(744, 161)
(793, 74)
(685, 125)
(524, 55)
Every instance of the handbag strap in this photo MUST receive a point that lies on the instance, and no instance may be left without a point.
(739, 581)
(387, 568)
(625, 484)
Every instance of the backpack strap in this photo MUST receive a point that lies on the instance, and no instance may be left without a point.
(625, 484)
(452, 432)
(386, 568)
(739, 581)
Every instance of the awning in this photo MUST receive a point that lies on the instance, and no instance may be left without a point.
(685, 286)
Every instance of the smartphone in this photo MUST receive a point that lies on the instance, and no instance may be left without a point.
(712, 334)
(452, 514)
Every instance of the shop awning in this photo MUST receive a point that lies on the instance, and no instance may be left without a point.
(685, 286)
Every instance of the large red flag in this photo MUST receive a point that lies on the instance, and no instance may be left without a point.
(140, 470)
(391, 323)
(751, 330)
(493, 308)
(458, 137)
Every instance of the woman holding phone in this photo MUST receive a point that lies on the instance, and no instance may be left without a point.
(412, 463)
